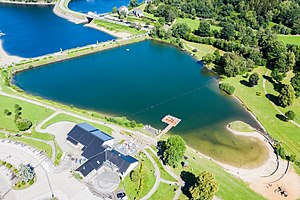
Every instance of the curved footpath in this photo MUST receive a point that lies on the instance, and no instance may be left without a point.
(157, 175)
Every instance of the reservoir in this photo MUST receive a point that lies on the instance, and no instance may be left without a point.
(35, 30)
(97, 6)
(144, 82)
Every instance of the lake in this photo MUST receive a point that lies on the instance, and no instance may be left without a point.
(146, 81)
(97, 6)
(35, 30)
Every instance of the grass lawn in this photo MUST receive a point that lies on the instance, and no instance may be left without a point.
(194, 23)
(42, 136)
(117, 27)
(29, 111)
(289, 39)
(296, 103)
(241, 126)
(64, 117)
(230, 187)
(203, 49)
(148, 176)
(33, 143)
(58, 155)
(165, 192)
(261, 107)
(163, 173)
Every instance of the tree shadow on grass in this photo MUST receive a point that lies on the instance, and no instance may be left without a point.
(278, 86)
(246, 83)
(282, 117)
(268, 78)
(189, 179)
(273, 98)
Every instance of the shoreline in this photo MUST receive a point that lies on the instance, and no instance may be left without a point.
(6, 59)
(28, 3)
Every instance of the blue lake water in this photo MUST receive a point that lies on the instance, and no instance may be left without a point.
(146, 83)
(36, 30)
(97, 6)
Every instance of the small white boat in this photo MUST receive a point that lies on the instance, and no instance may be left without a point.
(2, 34)
(127, 49)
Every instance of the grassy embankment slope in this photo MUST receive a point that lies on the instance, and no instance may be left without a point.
(64, 117)
(117, 27)
(29, 111)
(262, 108)
(194, 23)
(290, 39)
(230, 187)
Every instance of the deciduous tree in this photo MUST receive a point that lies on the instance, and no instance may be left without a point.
(174, 150)
(205, 187)
(286, 96)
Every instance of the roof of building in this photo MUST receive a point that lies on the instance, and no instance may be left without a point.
(137, 10)
(85, 134)
(92, 140)
(123, 7)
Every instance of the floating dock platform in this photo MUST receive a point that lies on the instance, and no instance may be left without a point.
(171, 121)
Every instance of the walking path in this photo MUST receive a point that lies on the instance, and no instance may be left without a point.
(179, 180)
(276, 108)
(157, 181)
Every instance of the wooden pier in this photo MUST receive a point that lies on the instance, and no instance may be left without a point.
(171, 121)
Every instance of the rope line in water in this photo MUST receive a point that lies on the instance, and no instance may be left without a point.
(168, 100)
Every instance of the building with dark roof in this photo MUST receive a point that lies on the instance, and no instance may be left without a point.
(96, 149)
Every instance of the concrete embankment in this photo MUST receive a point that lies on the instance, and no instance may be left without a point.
(61, 9)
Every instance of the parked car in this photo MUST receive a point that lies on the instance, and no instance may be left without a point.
(122, 195)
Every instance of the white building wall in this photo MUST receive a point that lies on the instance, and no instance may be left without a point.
(130, 168)
(109, 143)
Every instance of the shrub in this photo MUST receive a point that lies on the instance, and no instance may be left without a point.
(279, 150)
(134, 176)
(290, 115)
(7, 112)
(227, 88)
(23, 124)
(30, 182)
(8, 165)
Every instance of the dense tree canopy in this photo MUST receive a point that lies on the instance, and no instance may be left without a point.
(296, 84)
(203, 29)
(180, 29)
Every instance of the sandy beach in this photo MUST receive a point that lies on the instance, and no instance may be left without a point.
(113, 33)
(267, 178)
(6, 59)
